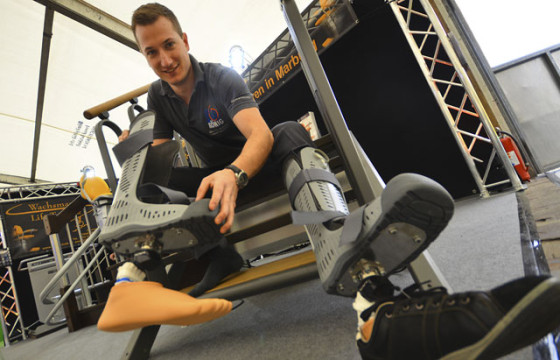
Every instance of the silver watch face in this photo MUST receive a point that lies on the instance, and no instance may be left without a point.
(242, 179)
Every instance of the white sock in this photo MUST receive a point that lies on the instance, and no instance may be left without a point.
(128, 272)
(360, 304)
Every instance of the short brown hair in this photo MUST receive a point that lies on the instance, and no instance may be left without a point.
(148, 14)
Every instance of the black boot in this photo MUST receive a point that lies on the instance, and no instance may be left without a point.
(470, 325)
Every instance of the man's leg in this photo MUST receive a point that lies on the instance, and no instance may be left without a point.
(394, 324)
(135, 303)
(378, 238)
(222, 257)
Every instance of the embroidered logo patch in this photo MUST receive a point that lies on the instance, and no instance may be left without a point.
(213, 118)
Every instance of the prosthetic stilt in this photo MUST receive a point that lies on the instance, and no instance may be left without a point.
(142, 228)
(149, 229)
(376, 239)
(135, 305)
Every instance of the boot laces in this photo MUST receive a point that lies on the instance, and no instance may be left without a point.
(414, 297)
(382, 291)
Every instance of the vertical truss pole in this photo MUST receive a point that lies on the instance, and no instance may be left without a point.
(477, 103)
(46, 47)
(7, 309)
(436, 29)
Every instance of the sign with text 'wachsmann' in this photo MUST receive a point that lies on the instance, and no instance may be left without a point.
(25, 232)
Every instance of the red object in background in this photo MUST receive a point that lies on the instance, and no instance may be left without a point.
(515, 156)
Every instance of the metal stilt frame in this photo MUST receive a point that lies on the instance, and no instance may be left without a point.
(454, 92)
(363, 177)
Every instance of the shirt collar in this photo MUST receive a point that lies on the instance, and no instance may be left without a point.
(198, 78)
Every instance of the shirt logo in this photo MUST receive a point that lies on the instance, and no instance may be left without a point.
(213, 118)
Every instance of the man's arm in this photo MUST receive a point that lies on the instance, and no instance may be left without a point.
(253, 156)
(259, 140)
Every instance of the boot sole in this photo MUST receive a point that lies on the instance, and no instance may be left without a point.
(197, 227)
(534, 316)
(412, 212)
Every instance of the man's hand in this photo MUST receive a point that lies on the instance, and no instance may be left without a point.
(224, 192)
(124, 135)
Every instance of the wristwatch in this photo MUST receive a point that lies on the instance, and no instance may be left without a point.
(241, 177)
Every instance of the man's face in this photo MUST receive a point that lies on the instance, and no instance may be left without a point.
(165, 50)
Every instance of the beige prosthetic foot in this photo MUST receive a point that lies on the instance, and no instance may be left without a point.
(134, 305)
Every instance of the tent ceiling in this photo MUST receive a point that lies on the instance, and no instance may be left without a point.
(87, 68)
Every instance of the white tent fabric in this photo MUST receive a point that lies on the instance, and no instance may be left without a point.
(510, 29)
(87, 68)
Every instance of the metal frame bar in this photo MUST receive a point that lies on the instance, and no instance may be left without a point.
(328, 106)
(17, 180)
(63, 274)
(94, 18)
(45, 50)
(553, 65)
(445, 56)
(21, 192)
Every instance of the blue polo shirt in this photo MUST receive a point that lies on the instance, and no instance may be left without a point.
(206, 122)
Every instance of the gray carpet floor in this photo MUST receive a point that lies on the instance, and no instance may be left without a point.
(480, 249)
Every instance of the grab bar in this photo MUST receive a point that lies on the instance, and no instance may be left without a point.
(113, 103)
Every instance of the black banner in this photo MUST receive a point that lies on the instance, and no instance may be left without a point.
(24, 229)
(281, 61)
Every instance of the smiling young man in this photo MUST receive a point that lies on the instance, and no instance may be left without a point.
(211, 107)
(207, 104)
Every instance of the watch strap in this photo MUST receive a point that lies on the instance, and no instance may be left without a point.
(238, 176)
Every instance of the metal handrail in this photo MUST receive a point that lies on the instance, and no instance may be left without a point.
(56, 278)
(105, 156)
(70, 290)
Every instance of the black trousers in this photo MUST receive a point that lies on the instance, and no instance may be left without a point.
(288, 138)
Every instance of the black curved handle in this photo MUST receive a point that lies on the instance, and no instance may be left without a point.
(111, 177)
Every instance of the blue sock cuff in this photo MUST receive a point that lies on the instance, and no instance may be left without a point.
(124, 279)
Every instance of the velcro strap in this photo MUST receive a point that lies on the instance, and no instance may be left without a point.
(173, 196)
(315, 217)
(352, 226)
(308, 175)
(132, 144)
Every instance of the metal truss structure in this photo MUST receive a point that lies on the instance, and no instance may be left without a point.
(23, 192)
(442, 67)
(12, 323)
(455, 95)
